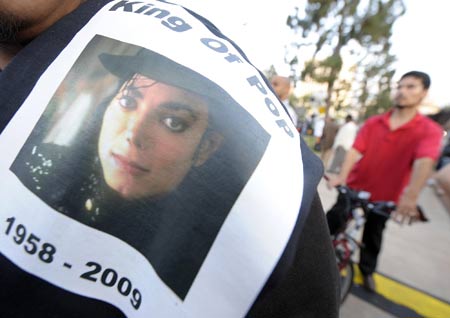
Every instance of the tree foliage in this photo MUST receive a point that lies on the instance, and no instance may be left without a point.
(271, 72)
(338, 29)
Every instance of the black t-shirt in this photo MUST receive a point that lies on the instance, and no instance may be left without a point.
(304, 282)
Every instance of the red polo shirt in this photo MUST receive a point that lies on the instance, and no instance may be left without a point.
(388, 155)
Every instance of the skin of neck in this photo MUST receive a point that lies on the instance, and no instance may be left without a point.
(284, 97)
(402, 115)
(9, 50)
(405, 112)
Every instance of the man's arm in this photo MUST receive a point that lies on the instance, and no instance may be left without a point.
(351, 158)
(309, 288)
(305, 282)
(407, 204)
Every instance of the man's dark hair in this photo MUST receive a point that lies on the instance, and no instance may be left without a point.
(348, 118)
(424, 77)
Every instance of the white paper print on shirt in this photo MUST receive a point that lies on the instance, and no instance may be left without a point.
(151, 191)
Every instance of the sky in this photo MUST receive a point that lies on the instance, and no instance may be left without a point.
(259, 28)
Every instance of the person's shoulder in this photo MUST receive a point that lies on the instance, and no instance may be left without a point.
(377, 118)
(430, 124)
(305, 281)
(352, 125)
(374, 120)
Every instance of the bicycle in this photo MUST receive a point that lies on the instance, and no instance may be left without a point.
(345, 220)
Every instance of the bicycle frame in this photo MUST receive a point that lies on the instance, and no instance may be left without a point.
(346, 242)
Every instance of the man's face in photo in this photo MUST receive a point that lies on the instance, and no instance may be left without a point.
(151, 136)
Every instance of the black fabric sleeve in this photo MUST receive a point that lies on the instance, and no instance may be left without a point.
(305, 282)
(310, 288)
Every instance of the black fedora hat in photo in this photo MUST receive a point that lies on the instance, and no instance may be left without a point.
(162, 69)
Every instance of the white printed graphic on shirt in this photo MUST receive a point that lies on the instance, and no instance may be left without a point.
(76, 176)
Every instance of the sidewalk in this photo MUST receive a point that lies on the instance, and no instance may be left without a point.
(416, 255)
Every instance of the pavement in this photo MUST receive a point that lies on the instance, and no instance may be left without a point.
(413, 274)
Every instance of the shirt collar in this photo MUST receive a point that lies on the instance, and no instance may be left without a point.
(385, 119)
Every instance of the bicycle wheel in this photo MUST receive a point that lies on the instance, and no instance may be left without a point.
(346, 274)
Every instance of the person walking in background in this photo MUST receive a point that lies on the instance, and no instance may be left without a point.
(443, 119)
(330, 130)
(282, 87)
(342, 143)
(441, 183)
(440, 180)
(392, 157)
(318, 125)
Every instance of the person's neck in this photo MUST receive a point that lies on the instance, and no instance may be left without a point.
(9, 50)
(284, 98)
(7, 53)
(401, 116)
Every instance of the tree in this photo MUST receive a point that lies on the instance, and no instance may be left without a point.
(271, 72)
(338, 29)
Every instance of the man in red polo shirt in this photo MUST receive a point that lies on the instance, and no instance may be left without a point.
(392, 157)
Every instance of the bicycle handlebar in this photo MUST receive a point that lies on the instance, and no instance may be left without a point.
(362, 199)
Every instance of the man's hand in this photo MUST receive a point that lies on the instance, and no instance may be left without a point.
(407, 205)
(406, 211)
(334, 180)
(351, 158)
